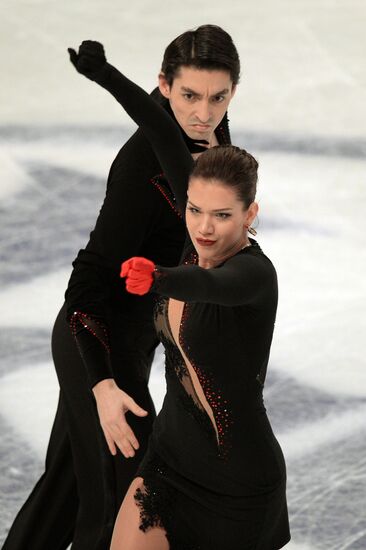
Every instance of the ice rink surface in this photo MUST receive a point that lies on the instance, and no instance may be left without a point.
(300, 110)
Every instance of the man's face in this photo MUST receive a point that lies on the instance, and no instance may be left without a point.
(199, 99)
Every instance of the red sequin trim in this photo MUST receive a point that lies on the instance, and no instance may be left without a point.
(170, 199)
(191, 258)
(223, 132)
(219, 405)
(80, 320)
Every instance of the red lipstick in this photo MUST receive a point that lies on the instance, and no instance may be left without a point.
(205, 242)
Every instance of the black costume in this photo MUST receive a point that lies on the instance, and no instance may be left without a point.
(221, 485)
(79, 495)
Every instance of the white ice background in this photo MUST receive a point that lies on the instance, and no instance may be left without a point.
(300, 106)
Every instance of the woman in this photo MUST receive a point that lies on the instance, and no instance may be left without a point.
(214, 475)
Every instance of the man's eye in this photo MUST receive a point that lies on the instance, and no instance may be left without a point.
(188, 96)
(218, 98)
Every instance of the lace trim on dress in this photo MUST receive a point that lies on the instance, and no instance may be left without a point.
(156, 501)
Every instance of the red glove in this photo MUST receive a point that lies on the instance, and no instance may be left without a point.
(139, 275)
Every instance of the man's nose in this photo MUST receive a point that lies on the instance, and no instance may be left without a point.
(203, 111)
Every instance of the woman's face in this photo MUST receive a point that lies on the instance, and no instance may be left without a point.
(216, 220)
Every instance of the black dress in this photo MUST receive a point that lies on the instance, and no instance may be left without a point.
(211, 484)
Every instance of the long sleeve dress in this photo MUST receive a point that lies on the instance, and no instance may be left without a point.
(213, 481)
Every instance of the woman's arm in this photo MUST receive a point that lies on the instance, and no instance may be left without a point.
(248, 278)
(245, 279)
(162, 132)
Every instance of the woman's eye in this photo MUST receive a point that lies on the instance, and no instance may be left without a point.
(223, 215)
(193, 210)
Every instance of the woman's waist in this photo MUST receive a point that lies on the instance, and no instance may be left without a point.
(246, 458)
(241, 399)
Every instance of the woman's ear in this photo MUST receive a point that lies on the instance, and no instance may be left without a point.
(251, 214)
(164, 86)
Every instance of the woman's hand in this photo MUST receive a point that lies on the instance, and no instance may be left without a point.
(112, 405)
(139, 275)
(90, 59)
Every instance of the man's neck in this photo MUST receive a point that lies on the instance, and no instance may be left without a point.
(213, 141)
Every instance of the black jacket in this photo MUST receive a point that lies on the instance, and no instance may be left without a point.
(138, 218)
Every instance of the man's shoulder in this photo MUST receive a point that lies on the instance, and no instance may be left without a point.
(135, 146)
(134, 167)
(136, 156)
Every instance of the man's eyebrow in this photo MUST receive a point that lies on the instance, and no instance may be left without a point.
(190, 91)
(217, 209)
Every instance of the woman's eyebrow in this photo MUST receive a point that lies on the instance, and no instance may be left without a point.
(190, 202)
(216, 210)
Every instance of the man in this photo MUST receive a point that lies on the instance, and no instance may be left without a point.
(103, 362)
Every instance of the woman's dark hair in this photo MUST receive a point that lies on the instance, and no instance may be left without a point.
(231, 166)
(208, 47)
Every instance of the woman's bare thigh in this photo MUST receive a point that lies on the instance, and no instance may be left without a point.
(126, 533)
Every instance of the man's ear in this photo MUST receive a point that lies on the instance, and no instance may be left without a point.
(164, 86)
(233, 90)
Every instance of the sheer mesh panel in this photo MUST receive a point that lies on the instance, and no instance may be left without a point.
(217, 418)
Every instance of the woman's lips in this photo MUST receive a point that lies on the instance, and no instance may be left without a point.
(205, 242)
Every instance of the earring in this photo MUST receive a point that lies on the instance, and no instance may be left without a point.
(251, 230)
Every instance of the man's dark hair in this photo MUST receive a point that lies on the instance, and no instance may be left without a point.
(208, 47)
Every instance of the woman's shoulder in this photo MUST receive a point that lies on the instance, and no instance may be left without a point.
(253, 256)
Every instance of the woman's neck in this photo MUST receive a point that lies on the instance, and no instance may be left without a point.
(208, 263)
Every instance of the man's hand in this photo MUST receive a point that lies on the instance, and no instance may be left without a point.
(112, 404)
(90, 59)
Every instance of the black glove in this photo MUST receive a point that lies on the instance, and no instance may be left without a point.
(90, 61)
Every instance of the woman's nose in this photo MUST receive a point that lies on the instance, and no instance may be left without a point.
(206, 226)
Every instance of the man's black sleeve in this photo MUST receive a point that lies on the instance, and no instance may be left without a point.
(129, 213)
